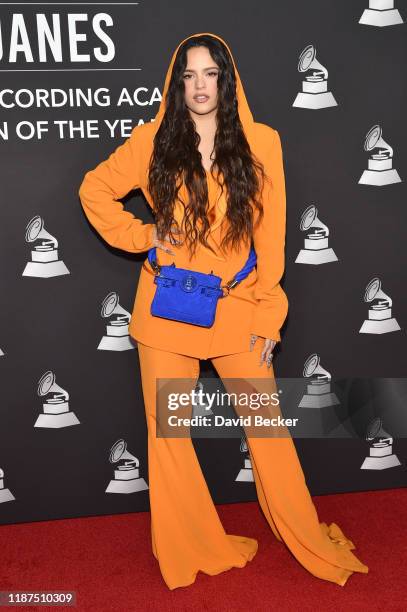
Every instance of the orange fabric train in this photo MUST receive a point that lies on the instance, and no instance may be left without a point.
(258, 305)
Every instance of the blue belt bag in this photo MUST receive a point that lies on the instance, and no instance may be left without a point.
(188, 296)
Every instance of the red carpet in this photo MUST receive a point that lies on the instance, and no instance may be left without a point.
(107, 560)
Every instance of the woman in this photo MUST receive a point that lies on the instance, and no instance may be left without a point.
(214, 179)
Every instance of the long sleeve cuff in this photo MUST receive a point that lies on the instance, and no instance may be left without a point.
(269, 315)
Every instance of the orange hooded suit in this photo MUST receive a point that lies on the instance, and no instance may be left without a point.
(187, 535)
(258, 305)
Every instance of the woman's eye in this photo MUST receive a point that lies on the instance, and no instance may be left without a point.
(212, 73)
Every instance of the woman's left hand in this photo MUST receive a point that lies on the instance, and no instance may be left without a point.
(267, 352)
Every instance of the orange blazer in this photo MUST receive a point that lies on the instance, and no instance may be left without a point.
(258, 305)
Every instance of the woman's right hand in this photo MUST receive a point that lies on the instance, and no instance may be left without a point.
(157, 243)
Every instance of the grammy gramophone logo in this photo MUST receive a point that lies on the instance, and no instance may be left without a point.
(44, 251)
(316, 249)
(5, 494)
(380, 319)
(55, 406)
(246, 473)
(314, 94)
(380, 169)
(381, 13)
(117, 327)
(127, 477)
(319, 394)
(381, 455)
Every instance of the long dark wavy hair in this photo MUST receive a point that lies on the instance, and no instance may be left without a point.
(176, 159)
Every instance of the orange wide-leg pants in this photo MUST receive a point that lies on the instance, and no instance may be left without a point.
(186, 531)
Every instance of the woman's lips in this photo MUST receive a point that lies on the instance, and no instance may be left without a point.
(201, 99)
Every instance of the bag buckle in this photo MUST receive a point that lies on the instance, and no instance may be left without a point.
(229, 285)
(156, 267)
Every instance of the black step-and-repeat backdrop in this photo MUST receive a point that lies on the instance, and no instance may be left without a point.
(75, 79)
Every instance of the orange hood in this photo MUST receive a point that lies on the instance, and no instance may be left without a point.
(245, 115)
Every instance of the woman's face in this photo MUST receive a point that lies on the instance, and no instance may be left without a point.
(201, 81)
